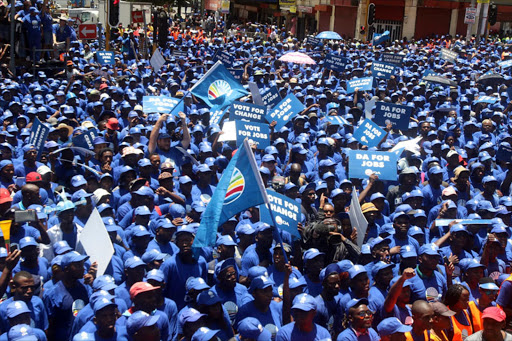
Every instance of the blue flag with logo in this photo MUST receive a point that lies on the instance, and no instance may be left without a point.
(380, 38)
(286, 213)
(218, 87)
(239, 188)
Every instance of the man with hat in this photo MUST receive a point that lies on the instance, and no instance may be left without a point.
(227, 288)
(59, 300)
(182, 265)
(161, 142)
(488, 292)
(18, 314)
(259, 252)
(327, 311)
(250, 329)
(144, 327)
(441, 322)
(358, 322)
(303, 327)
(391, 329)
(134, 269)
(494, 321)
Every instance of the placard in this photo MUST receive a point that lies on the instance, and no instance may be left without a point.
(270, 97)
(285, 110)
(383, 70)
(236, 73)
(286, 211)
(396, 59)
(257, 133)
(397, 115)
(362, 84)
(224, 56)
(505, 64)
(86, 139)
(369, 133)
(158, 104)
(335, 62)
(247, 112)
(362, 164)
(105, 57)
(38, 135)
(448, 55)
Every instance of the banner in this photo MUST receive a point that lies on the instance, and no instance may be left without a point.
(397, 115)
(270, 97)
(380, 38)
(357, 218)
(85, 140)
(288, 108)
(257, 133)
(38, 135)
(286, 211)
(448, 55)
(335, 62)
(505, 64)
(105, 57)
(362, 84)
(247, 112)
(383, 70)
(218, 87)
(159, 104)
(397, 59)
(362, 164)
(223, 56)
(239, 188)
(369, 133)
(236, 73)
(487, 99)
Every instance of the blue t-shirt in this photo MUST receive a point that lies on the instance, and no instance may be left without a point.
(289, 332)
(272, 316)
(350, 335)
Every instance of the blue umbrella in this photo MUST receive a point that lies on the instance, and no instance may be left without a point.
(329, 35)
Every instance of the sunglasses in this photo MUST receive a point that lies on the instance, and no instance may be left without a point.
(490, 292)
(363, 314)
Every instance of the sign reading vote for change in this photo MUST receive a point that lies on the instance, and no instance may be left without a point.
(383, 70)
(285, 110)
(362, 84)
(259, 133)
(158, 104)
(448, 55)
(397, 115)
(270, 97)
(335, 63)
(392, 58)
(369, 133)
(286, 212)
(362, 164)
(247, 112)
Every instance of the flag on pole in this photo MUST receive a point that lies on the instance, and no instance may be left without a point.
(218, 87)
(239, 188)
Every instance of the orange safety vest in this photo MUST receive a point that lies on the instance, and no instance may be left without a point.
(476, 316)
(509, 278)
(426, 336)
(458, 327)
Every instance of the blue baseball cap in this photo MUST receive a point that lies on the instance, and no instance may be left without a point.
(311, 253)
(245, 229)
(142, 210)
(104, 282)
(185, 229)
(392, 325)
(356, 302)
(429, 249)
(458, 228)
(72, 257)
(304, 302)
(78, 180)
(140, 231)
(102, 303)
(189, 315)
(21, 332)
(329, 269)
(133, 262)
(204, 334)
(408, 251)
(260, 282)
(378, 241)
(356, 270)
(138, 320)
(198, 206)
(251, 328)
(84, 336)
(27, 241)
(196, 283)
(256, 271)
(152, 255)
(380, 266)
(297, 282)
(485, 205)
(208, 297)
(16, 308)
(155, 275)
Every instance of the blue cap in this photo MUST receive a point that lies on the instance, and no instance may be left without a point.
(204, 334)
(78, 195)
(489, 178)
(185, 229)
(356, 270)
(485, 205)
(138, 320)
(329, 269)
(144, 191)
(489, 286)
(189, 315)
(251, 328)
(429, 249)
(392, 325)
(414, 231)
(152, 255)
(104, 282)
(304, 302)
(377, 241)
(133, 262)
(21, 332)
(140, 231)
(407, 251)
(376, 196)
(245, 229)
(261, 226)
(297, 282)
(155, 275)
(78, 180)
(345, 265)
(27, 241)
(102, 303)
(260, 282)
(208, 297)
(142, 210)
(61, 247)
(196, 283)
(185, 179)
(311, 253)
(225, 240)
(380, 266)
(3, 252)
(356, 302)
(84, 336)
(473, 263)
(458, 228)
(16, 308)
(198, 206)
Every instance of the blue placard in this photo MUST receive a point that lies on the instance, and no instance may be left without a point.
(86, 139)
(337, 120)
(159, 104)
(369, 133)
(285, 110)
(397, 115)
(392, 58)
(286, 213)
(487, 99)
(362, 164)
(313, 41)
(448, 55)
(335, 62)
(180, 53)
(105, 57)
(383, 70)
(236, 73)
(247, 112)
(259, 133)
(38, 135)
(270, 97)
(363, 84)
(216, 116)
(380, 38)
(224, 56)
(505, 64)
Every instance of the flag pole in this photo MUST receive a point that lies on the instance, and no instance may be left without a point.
(260, 184)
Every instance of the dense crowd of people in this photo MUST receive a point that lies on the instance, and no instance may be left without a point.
(151, 175)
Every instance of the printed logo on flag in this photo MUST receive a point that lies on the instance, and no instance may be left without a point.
(235, 188)
(218, 88)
